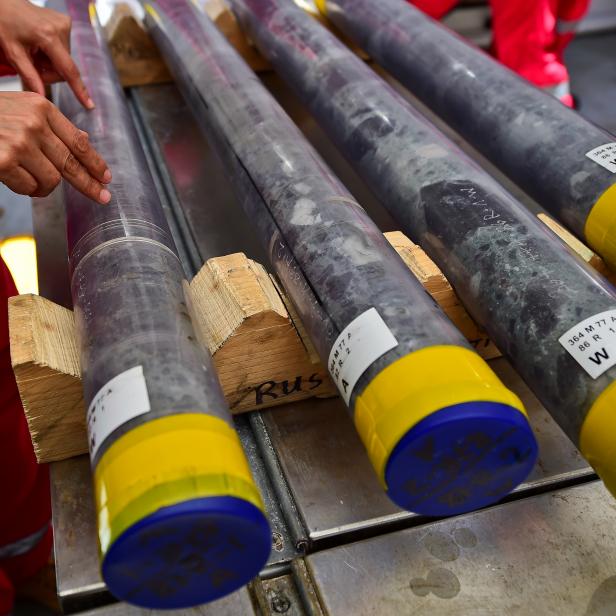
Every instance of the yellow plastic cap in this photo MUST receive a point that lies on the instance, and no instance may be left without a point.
(165, 462)
(180, 520)
(417, 385)
(598, 437)
(444, 435)
(600, 228)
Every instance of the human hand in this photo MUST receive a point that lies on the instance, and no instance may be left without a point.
(39, 146)
(36, 43)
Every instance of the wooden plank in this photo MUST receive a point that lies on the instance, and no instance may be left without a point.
(46, 364)
(261, 351)
(260, 358)
(133, 52)
(438, 286)
(592, 258)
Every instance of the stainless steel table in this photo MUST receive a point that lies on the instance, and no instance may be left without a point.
(549, 554)
(335, 489)
(233, 605)
(339, 545)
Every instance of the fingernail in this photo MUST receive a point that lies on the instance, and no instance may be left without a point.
(90, 104)
(104, 196)
(107, 176)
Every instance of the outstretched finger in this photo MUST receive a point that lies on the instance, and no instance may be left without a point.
(78, 143)
(64, 65)
(73, 171)
(45, 68)
(29, 75)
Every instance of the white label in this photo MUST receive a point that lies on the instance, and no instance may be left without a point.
(360, 343)
(604, 155)
(121, 399)
(592, 342)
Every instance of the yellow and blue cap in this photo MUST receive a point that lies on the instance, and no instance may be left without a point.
(443, 433)
(180, 520)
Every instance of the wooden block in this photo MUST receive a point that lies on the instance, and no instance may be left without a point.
(133, 52)
(220, 13)
(261, 351)
(139, 63)
(46, 364)
(592, 258)
(260, 358)
(437, 285)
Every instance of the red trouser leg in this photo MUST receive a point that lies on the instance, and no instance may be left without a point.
(7, 594)
(569, 13)
(435, 8)
(524, 32)
(25, 511)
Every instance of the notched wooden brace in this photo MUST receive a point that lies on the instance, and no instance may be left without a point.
(261, 353)
(135, 56)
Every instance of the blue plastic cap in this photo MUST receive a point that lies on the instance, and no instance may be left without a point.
(461, 458)
(188, 554)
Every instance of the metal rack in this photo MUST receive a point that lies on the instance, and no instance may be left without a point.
(339, 545)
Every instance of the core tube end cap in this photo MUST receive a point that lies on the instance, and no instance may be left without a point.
(600, 227)
(189, 553)
(597, 442)
(446, 404)
(461, 458)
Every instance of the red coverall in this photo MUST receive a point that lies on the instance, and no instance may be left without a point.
(25, 509)
(530, 37)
